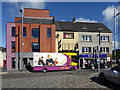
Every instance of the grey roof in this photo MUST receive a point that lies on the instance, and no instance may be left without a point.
(80, 27)
(36, 20)
(2, 49)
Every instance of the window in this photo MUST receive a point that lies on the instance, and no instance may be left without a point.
(86, 49)
(86, 38)
(35, 47)
(35, 33)
(104, 38)
(68, 35)
(13, 31)
(104, 49)
(24, 31)
(75, 59)
(117, 68)
(13, 46)
(107, 50)
(13, 63)
(49, 32)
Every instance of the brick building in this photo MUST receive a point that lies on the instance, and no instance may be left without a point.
(38, 36)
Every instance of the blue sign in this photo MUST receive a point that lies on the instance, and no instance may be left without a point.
(91, 55)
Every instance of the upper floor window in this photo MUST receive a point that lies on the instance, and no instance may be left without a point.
(49, 32)
(35, 47)
(104, 38)
(68, 35)
(24, 31)
(13, 46)
(86, 49)
(104, 49)
(86, 38)
(35, 33)
(13, 31)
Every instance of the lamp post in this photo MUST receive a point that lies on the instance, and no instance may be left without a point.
(115, 37)
(21, 11)
(99, 30)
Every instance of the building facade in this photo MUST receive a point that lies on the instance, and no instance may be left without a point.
(38, 36)
(66, 37)
(83, 38)
(41, 33)
(10, 46)
(88, 42)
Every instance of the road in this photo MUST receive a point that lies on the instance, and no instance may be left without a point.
(84, 78)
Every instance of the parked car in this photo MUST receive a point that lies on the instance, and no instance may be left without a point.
(95, 64)
(112, 75)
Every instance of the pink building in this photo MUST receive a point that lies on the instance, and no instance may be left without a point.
(10, 46)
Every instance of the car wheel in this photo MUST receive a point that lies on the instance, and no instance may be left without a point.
(72, 68)
(102, 77)
(44, 70)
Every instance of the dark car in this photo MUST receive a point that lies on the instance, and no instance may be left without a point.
(112, 75)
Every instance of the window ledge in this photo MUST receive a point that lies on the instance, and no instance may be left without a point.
(86, 41)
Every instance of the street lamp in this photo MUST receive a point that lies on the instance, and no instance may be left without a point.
(115, 36)
(21, 11)
(99, 30)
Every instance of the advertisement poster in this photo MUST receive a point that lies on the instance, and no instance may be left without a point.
(49, 59)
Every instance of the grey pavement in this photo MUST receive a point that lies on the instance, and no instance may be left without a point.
(85, 78)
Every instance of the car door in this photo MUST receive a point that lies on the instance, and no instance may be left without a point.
(118, 70)
(118, 77)
(113, 74)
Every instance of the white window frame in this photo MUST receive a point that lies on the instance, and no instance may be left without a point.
(86, 38)
(105, 49)
(106, 38)
(86, 49)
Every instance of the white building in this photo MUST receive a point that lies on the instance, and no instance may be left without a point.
(2, 55)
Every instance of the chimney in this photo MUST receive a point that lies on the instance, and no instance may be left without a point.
(73, 19)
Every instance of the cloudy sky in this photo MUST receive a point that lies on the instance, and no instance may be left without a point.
(101, 12)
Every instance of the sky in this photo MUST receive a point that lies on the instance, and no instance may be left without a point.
(101, 12)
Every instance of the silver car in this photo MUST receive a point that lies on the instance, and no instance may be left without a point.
(112, 75)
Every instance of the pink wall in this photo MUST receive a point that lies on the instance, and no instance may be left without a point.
(9, 39)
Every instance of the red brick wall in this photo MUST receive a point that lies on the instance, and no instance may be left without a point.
(36, 13)
(46, 44)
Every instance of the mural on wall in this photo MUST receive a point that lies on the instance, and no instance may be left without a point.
(49, 59)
